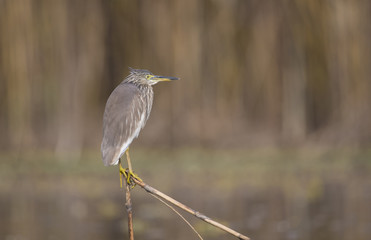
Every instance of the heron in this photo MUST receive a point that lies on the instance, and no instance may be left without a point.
(126, 113)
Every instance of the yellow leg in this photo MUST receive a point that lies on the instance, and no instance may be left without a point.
(128, 159)
(122, 172)
(131, 173)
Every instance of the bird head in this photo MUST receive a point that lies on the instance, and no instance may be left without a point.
(142, 76)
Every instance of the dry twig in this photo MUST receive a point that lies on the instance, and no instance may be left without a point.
(197, 214)
(180, 215)
(130, 212)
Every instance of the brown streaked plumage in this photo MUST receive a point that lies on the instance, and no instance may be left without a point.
(126, 113)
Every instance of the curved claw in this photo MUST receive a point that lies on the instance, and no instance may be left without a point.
(122, 172)
(129, 179)
(128, 175)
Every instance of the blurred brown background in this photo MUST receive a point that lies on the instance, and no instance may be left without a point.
(279, 91)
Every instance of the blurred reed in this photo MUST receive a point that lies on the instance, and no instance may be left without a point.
(252, 72)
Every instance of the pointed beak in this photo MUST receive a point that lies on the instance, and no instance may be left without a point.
(163, 79)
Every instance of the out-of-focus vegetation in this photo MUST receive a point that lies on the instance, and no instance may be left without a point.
(252, 72)
(268, 129)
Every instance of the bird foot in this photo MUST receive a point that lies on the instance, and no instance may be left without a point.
(128, 175)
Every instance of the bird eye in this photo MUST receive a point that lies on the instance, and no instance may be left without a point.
(148, 76)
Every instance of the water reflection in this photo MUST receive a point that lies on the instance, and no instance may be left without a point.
(258, 198)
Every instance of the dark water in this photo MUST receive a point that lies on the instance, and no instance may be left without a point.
(262, 195)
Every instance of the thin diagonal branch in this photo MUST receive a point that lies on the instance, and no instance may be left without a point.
(180, 215)
(186, 208)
